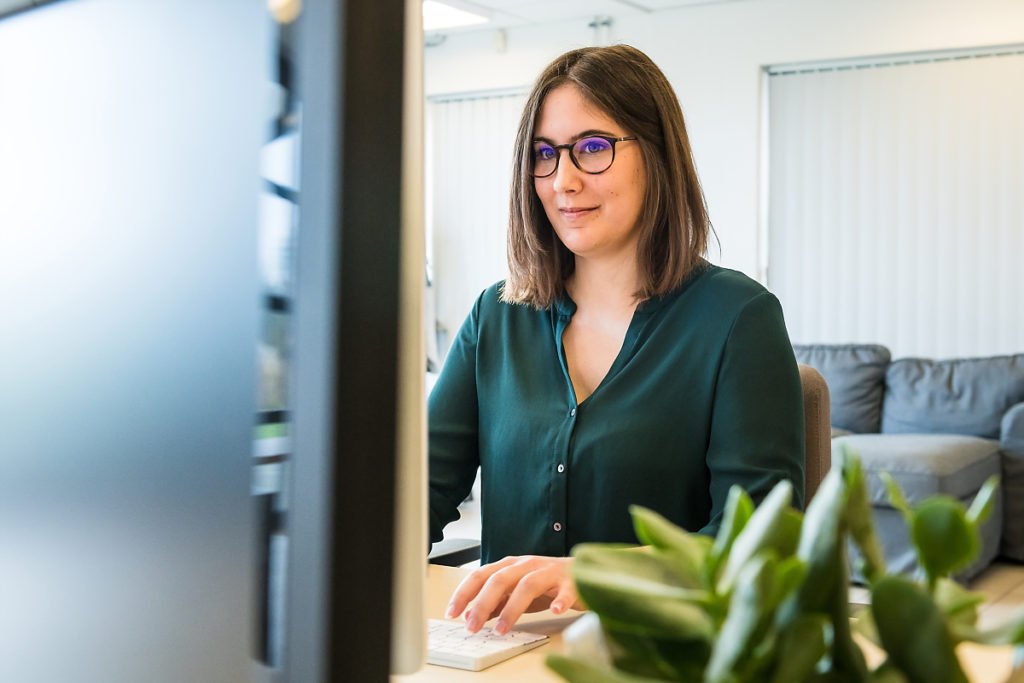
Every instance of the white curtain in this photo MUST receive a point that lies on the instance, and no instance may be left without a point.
(469, 169)
(896, 204)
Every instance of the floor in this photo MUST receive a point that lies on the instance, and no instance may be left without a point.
(1002, 583)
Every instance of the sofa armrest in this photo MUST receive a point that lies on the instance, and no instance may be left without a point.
(1011, 443)
(1011, 432)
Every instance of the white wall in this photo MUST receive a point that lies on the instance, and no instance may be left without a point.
(713, 54)
(882, 181)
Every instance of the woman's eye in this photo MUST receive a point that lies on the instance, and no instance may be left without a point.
(543, 153)
(594, 146)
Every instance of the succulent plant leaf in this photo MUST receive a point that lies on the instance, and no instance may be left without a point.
(689, 551)
(635, 574)
(738, 509)
(913, 632)
(887, 673)
(676, 660)
(896, 496)
(956, 602)
(749, 610)
(944, 539)
(858, 518)
(643, 606)
(789, 574)
(819, 548)
(768, 522)
(637, 563)
(982, 505)
(576, 671)
(800, 647)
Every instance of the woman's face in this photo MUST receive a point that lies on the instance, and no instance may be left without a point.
(595, 216)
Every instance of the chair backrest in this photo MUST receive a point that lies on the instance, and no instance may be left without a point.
(817, 429)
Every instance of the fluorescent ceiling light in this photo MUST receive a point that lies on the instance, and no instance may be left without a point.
(438, 15)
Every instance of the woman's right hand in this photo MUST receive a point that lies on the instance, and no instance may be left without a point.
(511, 587)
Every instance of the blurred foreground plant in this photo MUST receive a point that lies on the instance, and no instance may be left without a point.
(767, 599)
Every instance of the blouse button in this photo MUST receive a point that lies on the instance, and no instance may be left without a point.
(557, 526)
(561, 468)
(572, 413)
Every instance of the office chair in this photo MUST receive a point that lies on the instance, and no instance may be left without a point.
(817, 429)
(454, 552)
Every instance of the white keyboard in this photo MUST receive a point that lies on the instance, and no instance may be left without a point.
(449, 644)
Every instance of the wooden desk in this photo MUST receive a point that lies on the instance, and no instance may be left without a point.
(528, 666)
(982, 664)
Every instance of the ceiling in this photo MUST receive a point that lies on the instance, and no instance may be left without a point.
(509, 13)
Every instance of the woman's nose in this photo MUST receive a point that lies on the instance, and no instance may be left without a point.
(567, 176)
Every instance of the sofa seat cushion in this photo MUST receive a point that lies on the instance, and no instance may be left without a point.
(923, 464)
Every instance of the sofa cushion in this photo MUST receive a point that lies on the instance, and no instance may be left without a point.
(855, 374)
(923, 464)
(964, 396)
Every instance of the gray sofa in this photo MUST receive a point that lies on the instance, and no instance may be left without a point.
(937, 427)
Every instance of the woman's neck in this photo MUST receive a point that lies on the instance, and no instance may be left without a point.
(607, 283)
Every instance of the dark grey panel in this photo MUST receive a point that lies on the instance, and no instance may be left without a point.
(341, 519)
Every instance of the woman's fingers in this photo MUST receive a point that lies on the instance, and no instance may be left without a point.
(498, 588)
(471, 585)
(566, 598)
(510, 587)
(529, 588)
(547, 587)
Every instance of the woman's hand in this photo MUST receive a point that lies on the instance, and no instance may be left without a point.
(511, 586)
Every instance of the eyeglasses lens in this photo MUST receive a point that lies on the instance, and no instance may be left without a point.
(593, 155)
(545, 159)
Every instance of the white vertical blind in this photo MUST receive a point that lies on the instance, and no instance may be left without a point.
(896, 204)
(469, 171)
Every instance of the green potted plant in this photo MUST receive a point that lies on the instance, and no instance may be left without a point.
(767, 599)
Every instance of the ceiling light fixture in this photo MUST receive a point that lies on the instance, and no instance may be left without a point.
(438, 15)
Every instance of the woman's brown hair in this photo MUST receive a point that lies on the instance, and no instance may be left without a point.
(673, 226)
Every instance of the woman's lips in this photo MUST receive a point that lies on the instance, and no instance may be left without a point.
(576, 211)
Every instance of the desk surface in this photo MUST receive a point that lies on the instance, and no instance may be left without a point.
(982, 664)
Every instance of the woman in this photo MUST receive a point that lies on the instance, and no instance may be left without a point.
(615, 365)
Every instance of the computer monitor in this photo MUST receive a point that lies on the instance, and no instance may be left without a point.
(357, 517)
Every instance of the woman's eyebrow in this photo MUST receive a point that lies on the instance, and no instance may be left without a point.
(578, 136)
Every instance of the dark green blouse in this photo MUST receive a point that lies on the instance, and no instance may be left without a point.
(704, 394)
